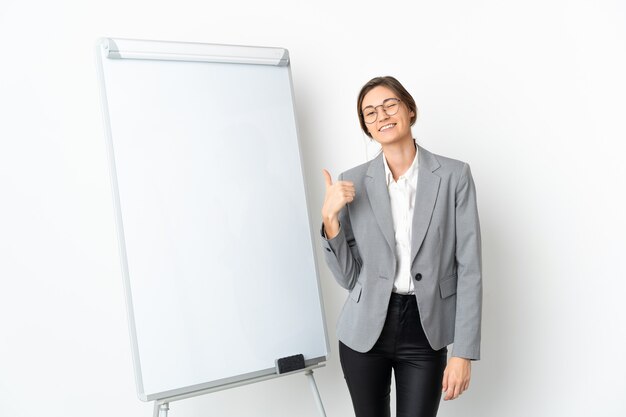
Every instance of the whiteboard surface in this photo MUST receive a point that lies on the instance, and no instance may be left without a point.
(215, 238)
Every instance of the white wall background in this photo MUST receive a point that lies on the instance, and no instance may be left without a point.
(531, 94)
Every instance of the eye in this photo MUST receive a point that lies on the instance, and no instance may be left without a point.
(391, 105)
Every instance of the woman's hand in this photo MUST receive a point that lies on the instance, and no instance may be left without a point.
(456, 377)
(337, 196)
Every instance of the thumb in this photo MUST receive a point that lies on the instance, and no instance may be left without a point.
(328, 178)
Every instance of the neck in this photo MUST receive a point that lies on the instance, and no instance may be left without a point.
(400, 155)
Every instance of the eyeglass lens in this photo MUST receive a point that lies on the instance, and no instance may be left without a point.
(390, 107)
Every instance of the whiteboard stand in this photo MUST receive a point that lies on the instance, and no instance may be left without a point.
(177, 117)
(161, 410)
(162, 406)
(316, 394)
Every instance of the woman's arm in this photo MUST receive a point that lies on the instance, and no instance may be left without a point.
(469, 270)
(466, 347)
(340, 249)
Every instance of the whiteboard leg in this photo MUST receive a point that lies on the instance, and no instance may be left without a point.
(160, 410)
(316, 394)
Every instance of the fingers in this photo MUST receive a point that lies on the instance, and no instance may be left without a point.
(338, 194)
(465, 385)
(457, 390)
(348, 195)
(327, 178)
(345, 187)
(452, 390)
(453, 385)
(449, 388)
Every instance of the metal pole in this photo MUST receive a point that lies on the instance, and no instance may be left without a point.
(160, 410)
(316, 394)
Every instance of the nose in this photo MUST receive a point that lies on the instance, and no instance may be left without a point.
(382, 115)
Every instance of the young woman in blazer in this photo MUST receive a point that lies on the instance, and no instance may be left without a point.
(401, 233)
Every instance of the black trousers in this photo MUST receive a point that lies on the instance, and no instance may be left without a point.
(403, 347)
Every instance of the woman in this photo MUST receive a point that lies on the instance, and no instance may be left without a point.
(401, 233)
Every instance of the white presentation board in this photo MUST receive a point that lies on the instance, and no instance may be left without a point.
(216, 246)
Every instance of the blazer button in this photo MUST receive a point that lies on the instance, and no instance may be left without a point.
(418, 276)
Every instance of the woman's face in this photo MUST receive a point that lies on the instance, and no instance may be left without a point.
(387, 129)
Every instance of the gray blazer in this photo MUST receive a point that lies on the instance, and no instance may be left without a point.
(445, 251)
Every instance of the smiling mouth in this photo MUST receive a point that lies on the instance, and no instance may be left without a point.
(387, 126)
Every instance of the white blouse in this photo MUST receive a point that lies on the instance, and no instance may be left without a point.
(402, 198)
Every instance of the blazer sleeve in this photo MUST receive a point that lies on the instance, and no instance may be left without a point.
(468, 255)
(341, 252)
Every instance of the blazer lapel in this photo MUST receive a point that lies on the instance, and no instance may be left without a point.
(378, 195)
(425, 198)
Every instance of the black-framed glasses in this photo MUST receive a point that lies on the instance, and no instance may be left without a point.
(390, 107)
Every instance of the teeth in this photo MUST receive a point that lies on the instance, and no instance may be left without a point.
(389, 126)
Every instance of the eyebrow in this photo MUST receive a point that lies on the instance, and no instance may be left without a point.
(378, 104)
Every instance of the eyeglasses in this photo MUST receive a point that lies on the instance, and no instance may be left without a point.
(390, 107)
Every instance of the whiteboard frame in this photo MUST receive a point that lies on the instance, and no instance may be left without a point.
(117, 48)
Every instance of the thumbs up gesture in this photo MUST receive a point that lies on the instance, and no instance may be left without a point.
(337, 196)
